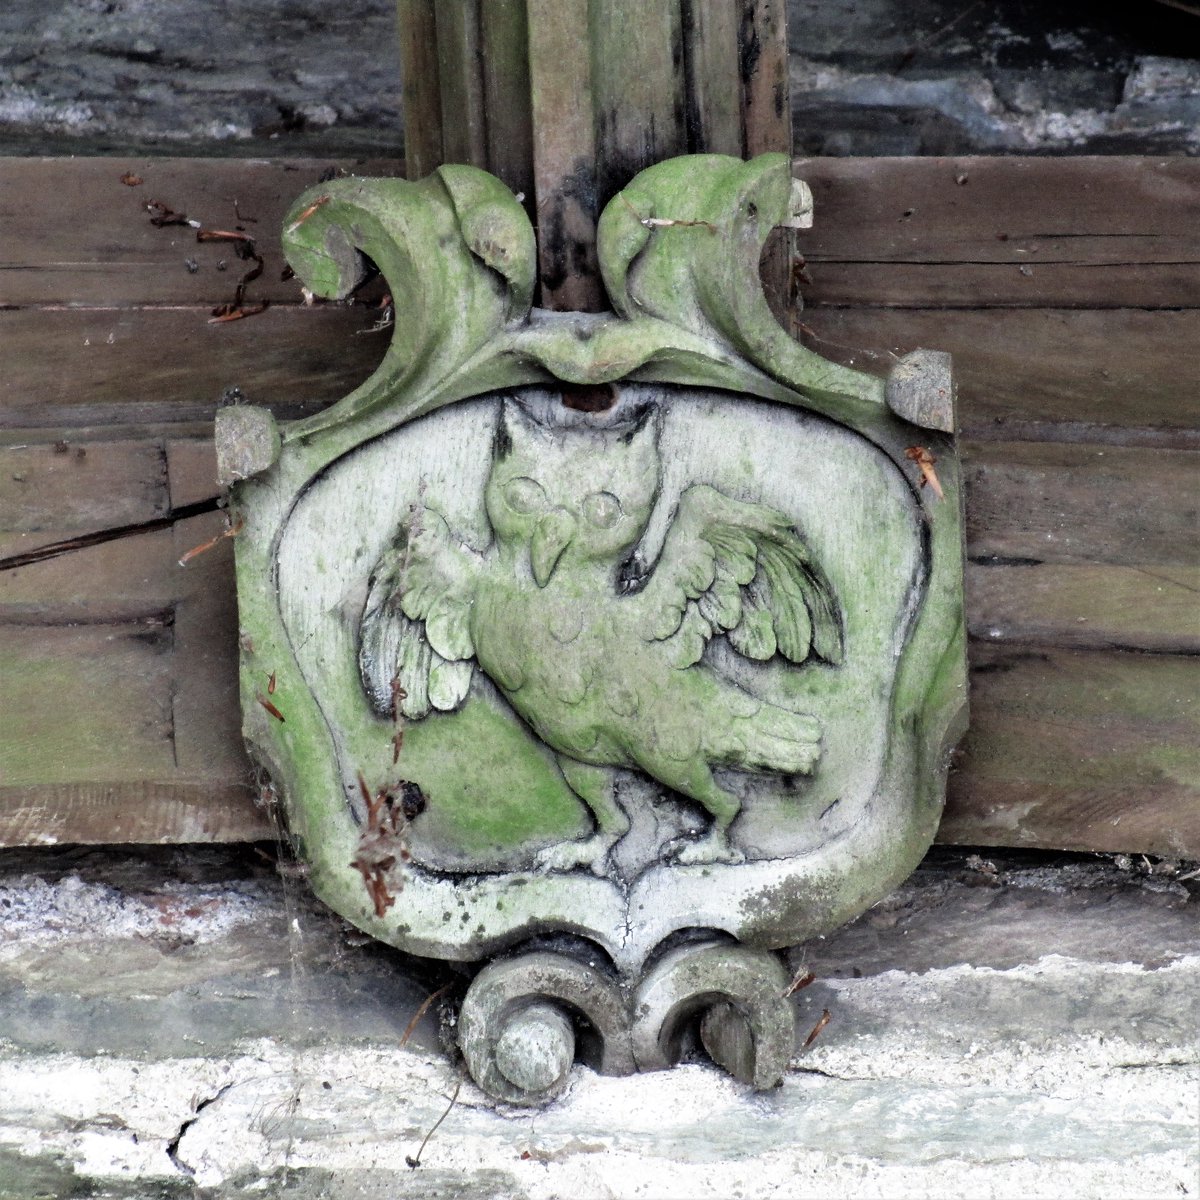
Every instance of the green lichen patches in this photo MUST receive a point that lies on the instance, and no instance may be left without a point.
(829, 768)
(501, 798)
(439, 244)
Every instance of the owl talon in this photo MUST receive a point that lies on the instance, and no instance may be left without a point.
(714, 848)
(566, 856)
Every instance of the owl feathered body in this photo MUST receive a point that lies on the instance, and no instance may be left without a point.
(606, 668)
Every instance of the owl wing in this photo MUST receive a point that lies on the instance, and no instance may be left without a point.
(741, 569)
(415, 633)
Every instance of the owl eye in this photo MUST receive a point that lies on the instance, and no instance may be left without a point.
(602, 509)
(524, 495)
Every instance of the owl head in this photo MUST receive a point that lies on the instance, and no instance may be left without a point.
(574, 494)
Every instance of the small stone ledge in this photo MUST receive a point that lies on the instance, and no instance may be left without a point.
(989, 1030)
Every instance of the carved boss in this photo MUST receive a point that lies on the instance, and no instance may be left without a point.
(672, 675)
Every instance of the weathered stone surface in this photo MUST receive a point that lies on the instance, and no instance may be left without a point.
(1008, 1027)
(548, 587)
(874, 77)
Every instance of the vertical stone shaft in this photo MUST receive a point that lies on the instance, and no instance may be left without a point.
(567, 100)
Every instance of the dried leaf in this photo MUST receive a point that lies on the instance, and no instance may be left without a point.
(308, 212)
(801, 981)
(925, 461)
(129, 179)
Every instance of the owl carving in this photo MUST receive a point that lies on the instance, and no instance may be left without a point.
(600, 652)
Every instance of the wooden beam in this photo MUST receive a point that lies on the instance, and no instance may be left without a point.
(1083, 435)
(506, 92)
(1078, 750)
(422, 86)
(564, 156)
(460, 78)
(712, 78)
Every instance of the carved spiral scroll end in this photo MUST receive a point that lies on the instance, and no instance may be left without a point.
(524, 1019)
(746, 1024)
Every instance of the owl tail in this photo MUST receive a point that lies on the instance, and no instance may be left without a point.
(773, 739)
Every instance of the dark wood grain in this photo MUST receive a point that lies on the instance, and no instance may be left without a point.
(564, 156)
(505, 62)
(637, 94)
(422, 88)
(75, 234)
(1120, 376)
(989, 232)
(460, 78)
(1080, 405)
(78, 368)
(712, 78)
(1078, 750)
(1125, 375)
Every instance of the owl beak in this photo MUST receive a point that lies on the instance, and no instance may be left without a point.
(551, 536)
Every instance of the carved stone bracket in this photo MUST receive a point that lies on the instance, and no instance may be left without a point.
(643, 627)
(526, 1020)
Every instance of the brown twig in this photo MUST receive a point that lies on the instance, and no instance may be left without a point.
(663, 222)
(231, 531)
(416, 1019)
(414, 1160)
(816, 1029)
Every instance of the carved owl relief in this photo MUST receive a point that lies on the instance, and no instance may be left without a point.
(598, 643)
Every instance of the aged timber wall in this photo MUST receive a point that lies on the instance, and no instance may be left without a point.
(1067, 289)
(890, 77)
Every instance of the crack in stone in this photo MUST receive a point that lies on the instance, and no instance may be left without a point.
(173, 1145)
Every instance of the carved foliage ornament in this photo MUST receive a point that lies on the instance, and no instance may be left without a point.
(638, 630)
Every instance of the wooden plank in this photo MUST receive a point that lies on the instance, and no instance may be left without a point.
(637, 95)
(1022, 232)
(1052, 374)
(1079, 750)
(67, 486)
(126, 579)
(421, 86)
(564, 156)
(206, 704)
(148, 812)
(1099, 606)
(460, 79)
(712, 78)
(1040, 284)
(505, 31)
(1099, 376)
(206, 710)
(1102, 211)
(1082, 503)
(763, 63)
(94, 367)
(75, 234)
(83, 703)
